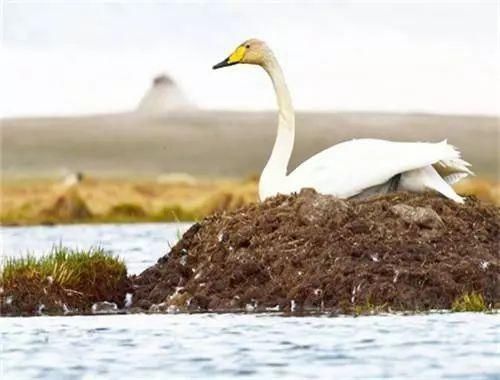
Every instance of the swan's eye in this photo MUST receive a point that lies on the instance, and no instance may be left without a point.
(247, 46)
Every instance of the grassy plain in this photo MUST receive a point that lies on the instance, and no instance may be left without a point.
(101, 200)
(123, 158)
(45, 201)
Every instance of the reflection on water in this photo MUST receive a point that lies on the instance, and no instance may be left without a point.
(251, 347)
(228, 346)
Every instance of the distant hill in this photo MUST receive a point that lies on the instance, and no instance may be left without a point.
(164, 96)
(218, 143)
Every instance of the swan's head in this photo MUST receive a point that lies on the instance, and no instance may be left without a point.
(253, 51)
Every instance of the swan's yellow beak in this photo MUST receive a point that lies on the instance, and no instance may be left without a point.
(233, 59)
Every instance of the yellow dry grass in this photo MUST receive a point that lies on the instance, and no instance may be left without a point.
(483, 189)
(39, 201)
(119, 200)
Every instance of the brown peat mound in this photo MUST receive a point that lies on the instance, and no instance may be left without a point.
(309, 252)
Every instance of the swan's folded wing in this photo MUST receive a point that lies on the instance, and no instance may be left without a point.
(348, 168)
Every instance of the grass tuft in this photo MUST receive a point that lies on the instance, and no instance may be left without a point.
(68, 268)
(368, 308)
(74, 277)
(469, 302)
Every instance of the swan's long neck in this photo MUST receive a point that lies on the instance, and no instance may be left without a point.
(273, 178)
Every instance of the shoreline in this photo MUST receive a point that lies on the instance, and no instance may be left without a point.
(393, 253)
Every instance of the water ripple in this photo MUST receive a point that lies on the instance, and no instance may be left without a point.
(187, 346)
(225, 346)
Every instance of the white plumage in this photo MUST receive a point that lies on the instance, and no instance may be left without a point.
(353, 168)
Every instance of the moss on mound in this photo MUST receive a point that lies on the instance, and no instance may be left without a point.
(62, 281)
(315, 252)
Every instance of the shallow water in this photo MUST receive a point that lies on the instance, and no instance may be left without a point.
(248, 346)
(251, 347)
(140, 245)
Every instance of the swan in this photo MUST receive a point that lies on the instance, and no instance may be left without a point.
(355, 168)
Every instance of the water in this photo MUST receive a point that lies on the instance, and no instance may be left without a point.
(251, 347)
(140, 245)
(247, 346)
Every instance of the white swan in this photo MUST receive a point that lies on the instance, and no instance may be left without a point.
(352, 168)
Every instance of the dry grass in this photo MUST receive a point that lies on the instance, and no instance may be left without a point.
(120, 200)
(134, 200)
(483, 189)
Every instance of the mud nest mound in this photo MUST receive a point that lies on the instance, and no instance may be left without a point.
(315, 252)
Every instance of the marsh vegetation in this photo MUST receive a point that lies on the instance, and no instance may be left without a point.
(101, 200)
(45, 201)
(63, 281)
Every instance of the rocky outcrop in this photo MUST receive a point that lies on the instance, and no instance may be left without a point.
(164, 96)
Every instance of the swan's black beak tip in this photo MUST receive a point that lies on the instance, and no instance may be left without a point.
(220, 64)
(223, 63)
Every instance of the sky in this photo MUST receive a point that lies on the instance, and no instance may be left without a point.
(79, 57)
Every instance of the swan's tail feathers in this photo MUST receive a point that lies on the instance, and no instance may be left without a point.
(455, 165)
(453, 178)
(428, 178)
(452, 168)
(432, 180)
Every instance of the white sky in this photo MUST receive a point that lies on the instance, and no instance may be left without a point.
(75, 57)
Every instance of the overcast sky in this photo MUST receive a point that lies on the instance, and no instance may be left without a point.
(75, 57)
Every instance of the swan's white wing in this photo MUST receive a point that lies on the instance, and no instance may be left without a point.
(348, 168)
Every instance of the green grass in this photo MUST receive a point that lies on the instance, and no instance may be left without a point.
(469, 302)
(64, 279)
(368, 308)
(73, 269)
